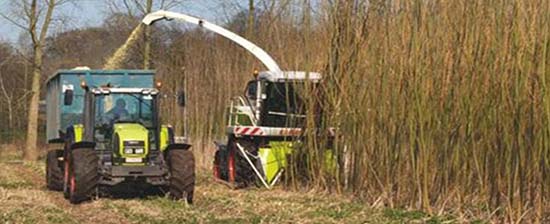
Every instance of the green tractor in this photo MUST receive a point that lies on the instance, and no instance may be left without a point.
(113, 137)
(264, 127)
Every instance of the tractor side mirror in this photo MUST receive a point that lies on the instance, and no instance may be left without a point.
(181, 98)
(68, 97)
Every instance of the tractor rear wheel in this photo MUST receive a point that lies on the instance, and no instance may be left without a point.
(182, 174)
(54, 173)
(84, 176)
(66, 175)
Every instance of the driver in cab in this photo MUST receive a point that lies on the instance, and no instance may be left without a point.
(118, 112)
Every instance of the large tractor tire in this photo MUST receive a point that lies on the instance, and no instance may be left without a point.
(244, 175)
(66, 175)
(182, 174)
(54, 173)
(83, 175)
(220, 168)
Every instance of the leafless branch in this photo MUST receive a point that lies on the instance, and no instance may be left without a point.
(128, 8)
(2, 85)
(13, 21)
(47, 20)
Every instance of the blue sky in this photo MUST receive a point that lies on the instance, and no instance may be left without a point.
(92, 13)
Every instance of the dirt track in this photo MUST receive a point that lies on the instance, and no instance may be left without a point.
(25, 199)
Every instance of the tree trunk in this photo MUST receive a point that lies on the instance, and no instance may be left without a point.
(31, 153)
(10, 119)
(9, 102)
(250, 30)
(147, 39)
(38, 39)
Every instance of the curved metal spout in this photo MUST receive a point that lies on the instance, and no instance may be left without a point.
(265, 58)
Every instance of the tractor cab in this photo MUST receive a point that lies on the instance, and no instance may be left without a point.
(123, 121)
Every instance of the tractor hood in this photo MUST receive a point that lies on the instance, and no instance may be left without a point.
(133, 140)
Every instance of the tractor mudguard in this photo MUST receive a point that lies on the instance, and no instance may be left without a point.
(177, 146)
(56, 141)
(74, 133)
(166, 136)
(80, 145)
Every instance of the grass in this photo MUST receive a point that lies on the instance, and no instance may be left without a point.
(27, 205)
(24, 199)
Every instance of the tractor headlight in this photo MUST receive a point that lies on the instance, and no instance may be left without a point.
(134, 147)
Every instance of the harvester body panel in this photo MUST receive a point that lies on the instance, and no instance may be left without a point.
(274, 158)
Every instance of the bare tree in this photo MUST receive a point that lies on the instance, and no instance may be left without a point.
(147, 40)
(6, 95)
(35, 18)
(11, 97)
(251, 14)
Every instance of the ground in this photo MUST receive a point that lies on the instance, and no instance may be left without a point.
(25, 199)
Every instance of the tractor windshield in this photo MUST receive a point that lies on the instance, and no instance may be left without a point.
(124, 108)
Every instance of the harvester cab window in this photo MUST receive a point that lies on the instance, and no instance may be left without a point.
(252, 90)
(283, 106)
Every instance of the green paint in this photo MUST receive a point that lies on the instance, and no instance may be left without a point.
(78, 130)
(240, 117)
(274, 158)
(132, 132)
(164, 137)
(330, 161)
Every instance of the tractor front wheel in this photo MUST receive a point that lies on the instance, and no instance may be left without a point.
(84, 176)
(182, 174)
(54, 173)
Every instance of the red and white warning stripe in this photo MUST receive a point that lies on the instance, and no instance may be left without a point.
(248, 131)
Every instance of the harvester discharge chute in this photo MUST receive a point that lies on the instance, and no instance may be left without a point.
(252, 48)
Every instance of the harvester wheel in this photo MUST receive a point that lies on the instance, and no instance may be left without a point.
(182, 174)
(220, 164)
(84, 176)
(54, 173)
(244, 174)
